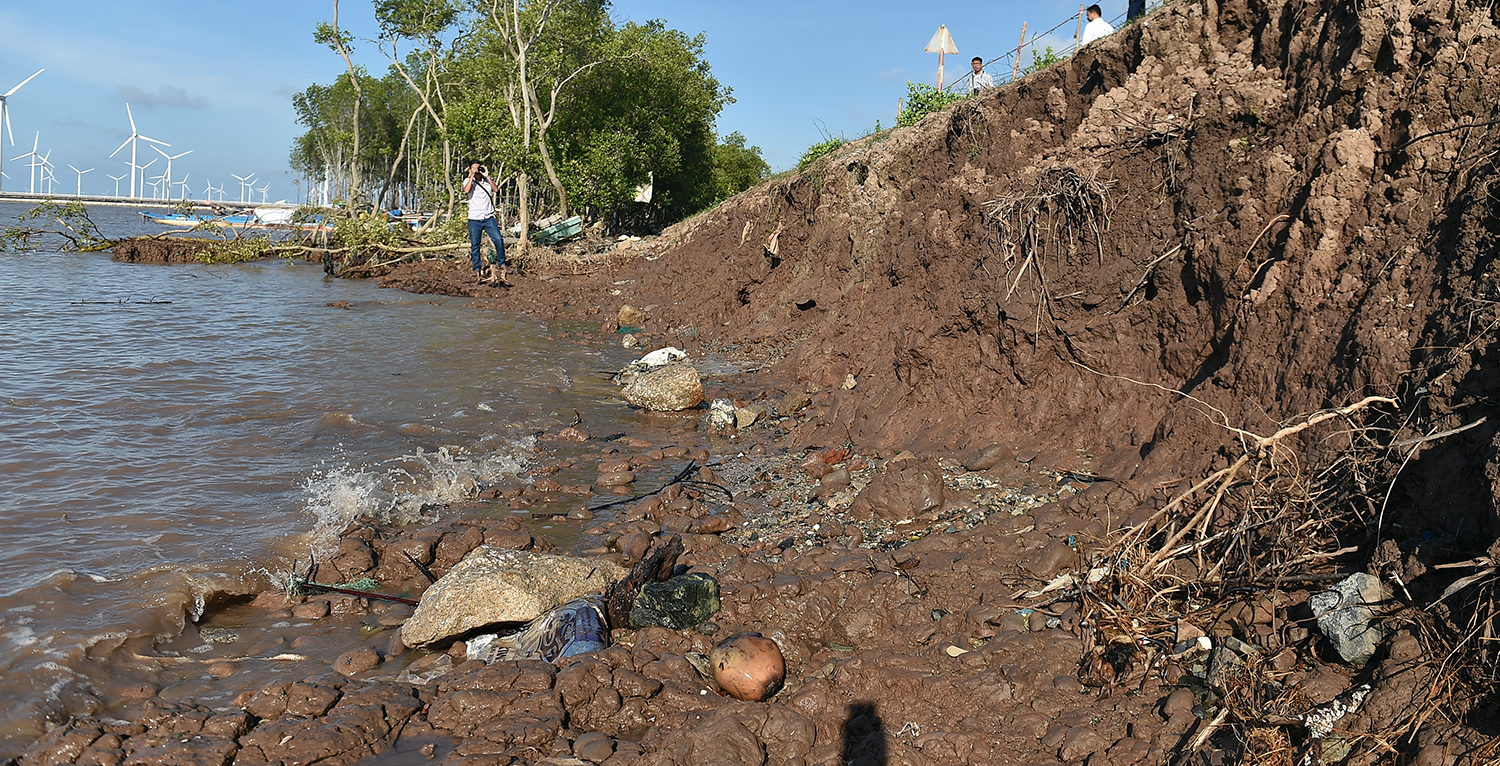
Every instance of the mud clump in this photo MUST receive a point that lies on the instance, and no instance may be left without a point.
(160, 250)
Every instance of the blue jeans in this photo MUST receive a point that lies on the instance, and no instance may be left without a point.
(493, 227)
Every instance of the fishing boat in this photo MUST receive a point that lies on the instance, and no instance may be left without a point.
(260, 218)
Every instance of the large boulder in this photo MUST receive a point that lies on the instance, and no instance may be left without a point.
(493, 585)
(902, 490)
(672, 388)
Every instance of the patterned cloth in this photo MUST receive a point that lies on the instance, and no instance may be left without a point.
(577, 627)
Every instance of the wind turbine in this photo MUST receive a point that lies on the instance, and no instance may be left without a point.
(143, 178)
(244, 181)
(47, 177)
(208, 190)
(263, 191)
(160, 187)
(135, 138)
(117, 179)
(5, 113)
(80, 177)
(183, 184)
(170, 157)
(32, 164)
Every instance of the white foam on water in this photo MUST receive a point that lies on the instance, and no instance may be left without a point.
(410, 491)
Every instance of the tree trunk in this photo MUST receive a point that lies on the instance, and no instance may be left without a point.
(358, 97)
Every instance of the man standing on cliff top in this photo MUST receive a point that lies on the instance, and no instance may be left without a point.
(481, 193)
(1097, 26)
(979, 79)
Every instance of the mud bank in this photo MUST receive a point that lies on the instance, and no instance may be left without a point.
(159, 250)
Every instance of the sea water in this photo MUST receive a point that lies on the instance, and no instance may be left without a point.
(174, 433)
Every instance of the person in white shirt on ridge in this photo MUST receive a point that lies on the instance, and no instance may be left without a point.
(481, 193)
(1097, 26)
(979, 79)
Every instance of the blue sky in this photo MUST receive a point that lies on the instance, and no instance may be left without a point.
(217, 77)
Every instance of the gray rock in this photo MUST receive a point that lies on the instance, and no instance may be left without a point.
(721, 417)
(672, 388)
(1346, 616)
(492, 586)
(678, 603)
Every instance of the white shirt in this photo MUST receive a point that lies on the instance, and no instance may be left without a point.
(979, 81)
(481, 200)
(1096, 29)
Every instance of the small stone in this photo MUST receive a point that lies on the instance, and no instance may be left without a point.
(312, 610)
(794, 402)
(631, 316)
(849, 383)
(629, 341)
(744, 417)
(617, 479)
(222, 669)
(721, 416)
(594, 746)
(1345, 616)
(678, 603)
(356, 661)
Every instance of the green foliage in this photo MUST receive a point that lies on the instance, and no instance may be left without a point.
(632, 100)
(363, 231)
(1040, 61)
(77, 231)
(818, 151)
(236, 250)
(737, 167)
(923, 99)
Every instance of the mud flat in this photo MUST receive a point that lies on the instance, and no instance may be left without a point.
(1179, 335)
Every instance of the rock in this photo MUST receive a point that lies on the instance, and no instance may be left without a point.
(616, 479)
(356, 661)
(594, 746)
(672, 388)
(744, 417)
(678, 603)
(721, 416)
(749, 667)
(901, 490)
(1346, 617)
(630, 315)
(849, 383)
(629, 341)
(989, 457)
(495, 586)
(794, 402)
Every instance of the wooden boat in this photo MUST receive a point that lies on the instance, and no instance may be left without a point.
(277, 219)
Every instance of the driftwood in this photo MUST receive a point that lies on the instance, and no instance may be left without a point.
(653, 568)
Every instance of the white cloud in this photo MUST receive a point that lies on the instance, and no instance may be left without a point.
(166, 97)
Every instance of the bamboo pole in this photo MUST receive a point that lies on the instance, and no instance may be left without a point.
(1015, 66)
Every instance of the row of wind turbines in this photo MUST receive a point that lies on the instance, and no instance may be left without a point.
(41, 167)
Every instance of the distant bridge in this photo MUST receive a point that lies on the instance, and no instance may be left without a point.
(90, 199)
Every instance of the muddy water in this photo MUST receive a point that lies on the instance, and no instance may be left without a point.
(171, 434)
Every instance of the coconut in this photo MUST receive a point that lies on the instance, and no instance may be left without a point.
(749, 666)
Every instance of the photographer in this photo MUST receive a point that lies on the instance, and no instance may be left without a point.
(481, 193)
